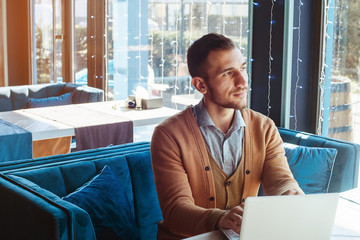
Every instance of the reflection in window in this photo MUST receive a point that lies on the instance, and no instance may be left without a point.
(148, 40)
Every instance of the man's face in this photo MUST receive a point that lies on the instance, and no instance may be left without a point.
(227, 79)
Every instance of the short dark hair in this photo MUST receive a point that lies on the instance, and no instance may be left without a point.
(200, 49)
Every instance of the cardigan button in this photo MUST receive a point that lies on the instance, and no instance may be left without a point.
(212, 199)
(247, 172)
(243, 200)
(227, 183)
(207, 168)
(228, 207)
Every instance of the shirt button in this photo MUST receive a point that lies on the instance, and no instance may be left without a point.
(247, 172)
(207, 168)
(227, 183)
(228, 207)
(212, 199)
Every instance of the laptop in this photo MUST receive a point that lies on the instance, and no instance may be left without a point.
(290, 217)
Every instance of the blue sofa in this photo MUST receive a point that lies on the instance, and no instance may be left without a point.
(19, 97)
(32, 192)
(345, 169)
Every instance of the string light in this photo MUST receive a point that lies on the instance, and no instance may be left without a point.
(196, 25)
(191, 35)
(270, 56)
(151, 38)
(223, 15)
(139, 52)
(176, 62)
(322, 76)
(162, 43)
(191, 21)
(206, 28)
(298, 61)
(241, 29)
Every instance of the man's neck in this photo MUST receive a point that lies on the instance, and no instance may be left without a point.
(222, 117)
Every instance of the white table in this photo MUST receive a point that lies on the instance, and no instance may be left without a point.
(52, 128)
(138, 117)
(59, 121)
(346, 226)
(41, 128)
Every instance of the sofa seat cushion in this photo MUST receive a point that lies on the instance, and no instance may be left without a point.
(64, 99)
(105, 200)
(312, 166)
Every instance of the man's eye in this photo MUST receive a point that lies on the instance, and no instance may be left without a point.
(243, 68)
(228, 73)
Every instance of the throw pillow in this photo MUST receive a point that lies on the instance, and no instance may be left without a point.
(104, 199)
(311, 166)
(50, 101)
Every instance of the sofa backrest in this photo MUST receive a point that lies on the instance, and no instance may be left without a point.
(84, 155)
(345, 173)
(17, 97)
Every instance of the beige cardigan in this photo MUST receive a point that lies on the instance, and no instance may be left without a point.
(184, 180)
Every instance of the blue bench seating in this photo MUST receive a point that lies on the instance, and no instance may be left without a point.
(32, 190)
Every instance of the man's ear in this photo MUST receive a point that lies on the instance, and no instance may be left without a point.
(200, 84)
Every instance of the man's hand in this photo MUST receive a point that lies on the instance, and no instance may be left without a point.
(292, 192)
(232, 219)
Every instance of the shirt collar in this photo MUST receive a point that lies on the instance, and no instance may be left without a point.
(203, 118)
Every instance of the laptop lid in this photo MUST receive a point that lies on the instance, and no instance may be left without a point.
(295, 217)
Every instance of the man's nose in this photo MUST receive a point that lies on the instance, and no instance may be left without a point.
(241, 78)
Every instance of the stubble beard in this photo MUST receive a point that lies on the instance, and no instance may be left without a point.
(237, 105)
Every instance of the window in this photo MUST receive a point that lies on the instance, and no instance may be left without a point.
(147, 42)
(47, 34)
(119, 45)
(81, 69)
(341, 96)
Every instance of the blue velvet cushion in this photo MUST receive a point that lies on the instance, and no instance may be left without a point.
(50, 101)
(104, 199)
(311, 166)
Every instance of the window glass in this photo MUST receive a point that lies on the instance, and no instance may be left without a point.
(340, 112)
(148, 40)
(58, 42)
(81, 73)
(341, 95)
(43, 29)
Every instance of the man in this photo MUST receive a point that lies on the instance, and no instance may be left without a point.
(210, 157)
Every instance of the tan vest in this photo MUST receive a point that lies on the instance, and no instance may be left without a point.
(228, 189)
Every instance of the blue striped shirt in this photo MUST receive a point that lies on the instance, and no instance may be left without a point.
(226, 148)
